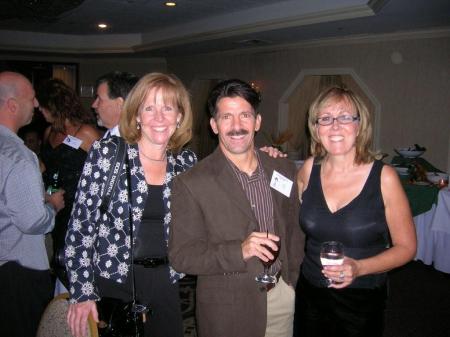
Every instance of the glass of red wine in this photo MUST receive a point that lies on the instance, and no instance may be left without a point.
(265, 277)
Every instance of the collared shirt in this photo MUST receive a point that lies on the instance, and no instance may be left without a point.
(257, 190)
(114, 131)
(24, 215)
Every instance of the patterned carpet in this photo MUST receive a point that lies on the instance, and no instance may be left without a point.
(187, 295)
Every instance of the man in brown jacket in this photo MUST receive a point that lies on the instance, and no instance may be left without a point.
(222, 212)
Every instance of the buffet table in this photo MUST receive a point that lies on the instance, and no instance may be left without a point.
(431, 211)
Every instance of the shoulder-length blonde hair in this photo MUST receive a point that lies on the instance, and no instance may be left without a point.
(173, 91)
(364, 138)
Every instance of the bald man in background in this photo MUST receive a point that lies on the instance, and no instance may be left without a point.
(26, 214)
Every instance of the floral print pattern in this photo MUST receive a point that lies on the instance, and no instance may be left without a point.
(100, 243)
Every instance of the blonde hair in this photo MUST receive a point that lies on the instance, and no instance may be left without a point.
(173, 91)
(364, 138)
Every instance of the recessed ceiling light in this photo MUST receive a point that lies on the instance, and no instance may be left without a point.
(102, 25)
(170, 4)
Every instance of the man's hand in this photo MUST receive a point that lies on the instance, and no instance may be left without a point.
(255, 245)
(56, 199)
(77, 317)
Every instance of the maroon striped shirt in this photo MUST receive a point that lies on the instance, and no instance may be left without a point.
(257, 190)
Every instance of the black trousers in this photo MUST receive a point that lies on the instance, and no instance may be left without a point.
(24, 294)
(348, 312)
(153, 288)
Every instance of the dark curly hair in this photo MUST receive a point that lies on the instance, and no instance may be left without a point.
(63, 104)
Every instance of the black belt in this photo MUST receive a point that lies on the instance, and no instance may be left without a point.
(152, 262)
(270, 286)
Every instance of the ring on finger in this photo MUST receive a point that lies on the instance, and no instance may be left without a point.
(341, 275)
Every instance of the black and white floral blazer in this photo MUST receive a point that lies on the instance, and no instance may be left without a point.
(100, 243)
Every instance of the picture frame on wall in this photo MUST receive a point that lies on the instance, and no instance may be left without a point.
(86, 90)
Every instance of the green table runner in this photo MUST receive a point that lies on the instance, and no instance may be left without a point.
(421, 198)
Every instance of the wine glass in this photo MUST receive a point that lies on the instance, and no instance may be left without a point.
(265, 277)
(331, 254)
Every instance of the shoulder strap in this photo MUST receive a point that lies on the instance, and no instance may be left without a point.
(111, 183)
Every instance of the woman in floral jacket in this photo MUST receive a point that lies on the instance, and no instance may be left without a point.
(156, 123)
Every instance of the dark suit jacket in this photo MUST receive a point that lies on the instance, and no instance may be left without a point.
(211, 219)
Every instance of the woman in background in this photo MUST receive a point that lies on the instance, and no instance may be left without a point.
(65, 145)
(348, 195)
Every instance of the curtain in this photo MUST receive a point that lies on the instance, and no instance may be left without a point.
(67, 74)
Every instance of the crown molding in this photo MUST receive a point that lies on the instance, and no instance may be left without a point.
(230, 25)
(440, 32)
(74, 44)
(264, 18)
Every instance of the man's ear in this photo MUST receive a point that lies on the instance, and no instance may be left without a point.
(120, 101)
(12, 104)
(213, 124)
(258, 122)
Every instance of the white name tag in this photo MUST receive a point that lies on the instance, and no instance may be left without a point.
(72, 141)
(281, 184)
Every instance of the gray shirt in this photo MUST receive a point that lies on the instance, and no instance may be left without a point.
(24, 215)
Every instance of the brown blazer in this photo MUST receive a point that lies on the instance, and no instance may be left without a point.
(211, 217)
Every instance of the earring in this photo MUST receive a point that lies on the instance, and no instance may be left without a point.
(178, 124)
(138, 125)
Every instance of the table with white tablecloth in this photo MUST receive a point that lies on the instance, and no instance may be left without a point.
(433, 233)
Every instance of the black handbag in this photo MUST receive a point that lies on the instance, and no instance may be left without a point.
(119, 318)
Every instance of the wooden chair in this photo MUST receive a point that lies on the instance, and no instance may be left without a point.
(53, 321)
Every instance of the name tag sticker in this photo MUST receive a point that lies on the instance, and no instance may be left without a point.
(281, 184)
(72, 141)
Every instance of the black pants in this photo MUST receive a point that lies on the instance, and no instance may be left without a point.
(24, 294)
(328, 312)
(153, 288)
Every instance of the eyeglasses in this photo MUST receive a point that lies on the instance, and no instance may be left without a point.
(342, 119)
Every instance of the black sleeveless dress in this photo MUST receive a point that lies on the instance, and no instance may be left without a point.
(360, 225)
(68, 162)
(357, 310)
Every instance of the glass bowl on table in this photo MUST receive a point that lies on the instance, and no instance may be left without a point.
(438, 178)
(409, 152)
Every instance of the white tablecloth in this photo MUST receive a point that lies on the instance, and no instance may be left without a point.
(433, 234)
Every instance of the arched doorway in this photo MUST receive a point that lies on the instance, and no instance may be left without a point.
(294, 104)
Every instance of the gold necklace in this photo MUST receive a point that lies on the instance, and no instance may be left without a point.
(152, 159)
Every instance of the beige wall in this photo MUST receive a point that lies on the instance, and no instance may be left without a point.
(414, 94)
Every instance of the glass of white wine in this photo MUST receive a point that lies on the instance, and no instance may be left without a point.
(331, 254)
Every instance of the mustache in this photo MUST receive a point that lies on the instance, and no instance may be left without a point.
(240, 132)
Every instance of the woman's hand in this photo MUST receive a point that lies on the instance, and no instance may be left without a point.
(342, 275)
(77, 317)
(273, 152)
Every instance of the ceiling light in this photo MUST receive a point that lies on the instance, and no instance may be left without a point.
(102, 25)
(170, 4)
